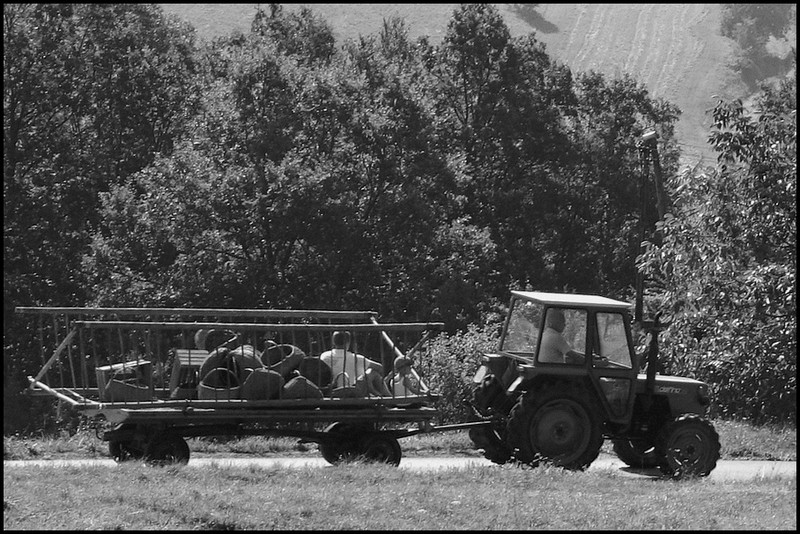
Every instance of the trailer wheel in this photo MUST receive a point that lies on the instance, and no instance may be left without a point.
(167, 450)
(336, 450)
(381, 448)
(122, 451)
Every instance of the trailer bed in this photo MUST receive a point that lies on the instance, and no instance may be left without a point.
(144, 371)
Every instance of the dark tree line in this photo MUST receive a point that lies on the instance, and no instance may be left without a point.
(281, 169)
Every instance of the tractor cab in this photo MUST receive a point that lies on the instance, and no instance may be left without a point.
(582, 337)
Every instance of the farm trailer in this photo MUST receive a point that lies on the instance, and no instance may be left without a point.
(153, 377)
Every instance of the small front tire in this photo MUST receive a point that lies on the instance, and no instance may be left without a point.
(689, 447)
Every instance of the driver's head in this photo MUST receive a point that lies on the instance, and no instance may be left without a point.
(555, 319)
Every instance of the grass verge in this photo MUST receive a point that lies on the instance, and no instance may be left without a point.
(367, 497)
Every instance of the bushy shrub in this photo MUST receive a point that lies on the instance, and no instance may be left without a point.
(449, 366)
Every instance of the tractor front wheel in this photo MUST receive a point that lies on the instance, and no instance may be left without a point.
(689, 447)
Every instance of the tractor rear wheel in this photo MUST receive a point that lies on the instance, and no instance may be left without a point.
(557, 425)
(637, 454)
(689, 447)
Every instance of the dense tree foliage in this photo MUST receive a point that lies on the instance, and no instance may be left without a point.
(277, 169)
(91, 93)
(729, 259)
(766, 35)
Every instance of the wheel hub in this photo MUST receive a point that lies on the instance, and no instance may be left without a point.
(559, 432)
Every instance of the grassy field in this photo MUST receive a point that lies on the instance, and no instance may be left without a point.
(360, 496)
(377, 497)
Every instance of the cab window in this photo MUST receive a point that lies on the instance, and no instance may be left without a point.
(524, 323)
(612, 342)
(564, 336)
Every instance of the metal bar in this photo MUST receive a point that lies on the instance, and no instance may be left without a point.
(57, 353)
(58, 362)
(262, 326)
(428, 429)
(230, 416)
(69, 355)
(40, 332)
(389, 340)
(385, 403)
(82, 355)
(82, 402)
(221, 312)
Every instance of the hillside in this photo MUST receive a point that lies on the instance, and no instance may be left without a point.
(674, 49)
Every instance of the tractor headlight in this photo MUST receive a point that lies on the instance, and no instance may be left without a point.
(702, 395)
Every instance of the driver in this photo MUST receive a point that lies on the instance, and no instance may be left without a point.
(554, 348)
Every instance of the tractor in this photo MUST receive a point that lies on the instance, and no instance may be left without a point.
(566, 376)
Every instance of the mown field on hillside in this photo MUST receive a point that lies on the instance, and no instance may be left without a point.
(674, 49)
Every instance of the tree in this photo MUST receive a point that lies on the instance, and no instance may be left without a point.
(756, 28)
(729, 262)
(91, 93)
(548, 162)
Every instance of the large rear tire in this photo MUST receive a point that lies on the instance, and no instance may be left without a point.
(557, 425)
(689, 447)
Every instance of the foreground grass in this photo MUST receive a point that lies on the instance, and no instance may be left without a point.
(739, 441)
(135, 496)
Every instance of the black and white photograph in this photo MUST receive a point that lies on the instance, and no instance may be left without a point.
(404, 267)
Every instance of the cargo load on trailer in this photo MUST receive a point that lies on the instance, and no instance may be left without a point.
(160, 375)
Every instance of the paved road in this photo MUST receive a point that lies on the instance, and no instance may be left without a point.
(726, 469)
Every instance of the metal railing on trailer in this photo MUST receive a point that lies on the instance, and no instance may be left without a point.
(164, 374)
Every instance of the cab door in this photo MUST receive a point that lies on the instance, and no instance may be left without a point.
(611, 366)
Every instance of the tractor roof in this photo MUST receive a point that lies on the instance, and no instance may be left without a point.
(569, 299)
